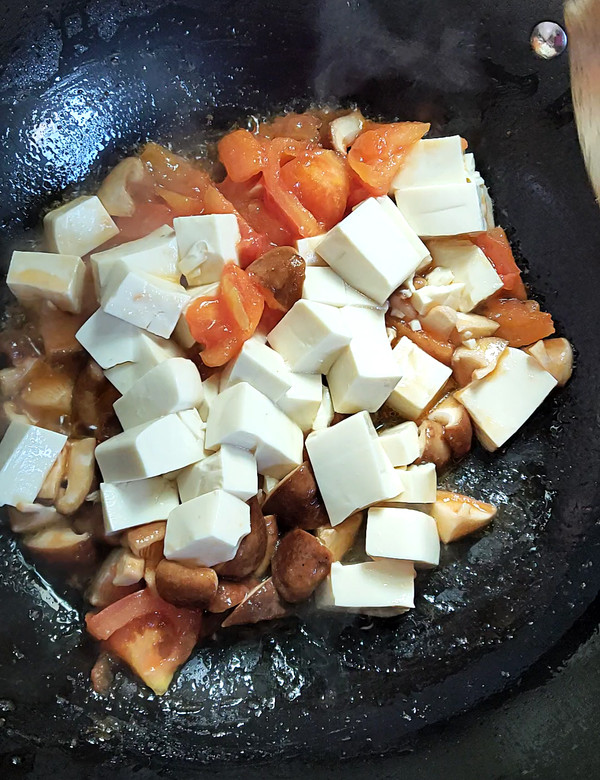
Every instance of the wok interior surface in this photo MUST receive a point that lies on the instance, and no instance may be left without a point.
(83, 83)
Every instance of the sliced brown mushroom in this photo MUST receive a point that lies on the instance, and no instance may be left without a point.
(13, 378)
(281, 272)
(339, 539)
(296, 500)
(185, 586)
(344, 131)
(433, 445)
(262, 603)
(102, 590)
(93, 398)
(554, 356)
(456, 425)
(440, 321)
(89, 519)
(229, 594)
(79, 475)
(142, 539)
(475, 363)
(114, 192)
(457, 515)
(48, 389)
(60, 544)
(28, 518)
(474, 326)
(299, 565)
(58, 329)
(251, 550)
(129, 570)
(272, 536)
(51, 485)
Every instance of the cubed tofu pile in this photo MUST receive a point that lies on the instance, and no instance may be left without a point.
(288, 421)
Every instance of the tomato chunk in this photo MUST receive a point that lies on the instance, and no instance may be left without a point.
(437, 348)
(521, 322)
(496, 248)
(378, 153)
(299, 127)
(241, 153)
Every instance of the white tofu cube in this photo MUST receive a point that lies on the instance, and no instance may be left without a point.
(246, 418)
(211, 387)
(27, 453)
(230, 468)
(351, 467)
(370, 251)
(405, 534)
(109, 340)
(425, 298)
(502, 401)
(303, 400)
(401, 443)
(423, 378)
(206, 243)
(469, 266)
(323, 285)
(143, 300)
(150, 351)
(156, 254)
(310, 337)
(419, 485)
(325, 414)
(392, 210)
(38, 276)
(365, 323)
(363, 376)
(260, 366)
(381, 583)
(207, 530)
(432, 161)
(306, 248)
(192, 420)
(172, 386)
(442, 210)
(136, 503)
(148, 450)
(182, 333)
(79, 226)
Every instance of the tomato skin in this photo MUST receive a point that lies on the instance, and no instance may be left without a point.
(174, 172)
(252, 244)
(180, 205)
(320, 179)
(379, 151)
(248, 198)
(494, 244)
(299, 127)
(440, 350)
(242, 155)
(521, 322)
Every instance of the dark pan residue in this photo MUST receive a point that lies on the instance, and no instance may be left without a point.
(81, 83)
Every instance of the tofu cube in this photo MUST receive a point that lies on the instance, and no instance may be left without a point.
(351, 467)
(303, 400)
(230, 468)
(432, 161)
(425, 298)
(143, 300)
(442, 209)
(323, 285)
(156, 254)
(27, 453)
(207, 530)
(129, 504)
(260, 366)
(306, 248)
(211, 387)
(151, 351)
(502, 401)
(109, 340)
(401, 443)
(405, 534)
(38, 276)
(419, 485)
(171, 386)
(310, 337)
(370, 251)
(324, 416)
(381, 583)
(182, 334)
(469, 266)
(192, 420)
(148, 450)
(392, 210)
(423, 378)
(205, 244)
(246, 418)
(79, 226)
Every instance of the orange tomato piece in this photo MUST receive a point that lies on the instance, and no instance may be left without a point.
(497, 249)
(379, 151)
(437, 348)
(248, 198)
(521, 322)
(180, 205)
(320, 179)
(174, 172)
(299, 127)
(241, 154)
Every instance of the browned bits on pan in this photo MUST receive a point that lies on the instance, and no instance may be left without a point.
(300, 563)
(296, 500)
(229, 594)
(281, 272)
(185, 586)
(251, 550)
(262, 603)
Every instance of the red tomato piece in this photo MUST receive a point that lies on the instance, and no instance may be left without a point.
(241, 153)
(248, 198)
(379, 151)
(173, 172)
(180, 205)
(299, 127)
(497, 249)
(521, 322)
(437, 348)
(253, 244)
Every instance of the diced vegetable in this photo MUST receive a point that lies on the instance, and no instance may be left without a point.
(520, 322)
(242, 155)
(495, 245)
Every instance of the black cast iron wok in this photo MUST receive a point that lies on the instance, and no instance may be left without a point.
(81, 84)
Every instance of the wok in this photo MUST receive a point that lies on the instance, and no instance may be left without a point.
(83, 83)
